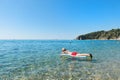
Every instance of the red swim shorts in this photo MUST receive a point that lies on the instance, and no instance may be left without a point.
(74, 53)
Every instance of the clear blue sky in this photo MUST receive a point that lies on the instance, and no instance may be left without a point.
(56, 19)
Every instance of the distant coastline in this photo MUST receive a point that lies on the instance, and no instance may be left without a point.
(113, 34)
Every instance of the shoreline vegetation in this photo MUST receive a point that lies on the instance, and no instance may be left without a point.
(113, 34)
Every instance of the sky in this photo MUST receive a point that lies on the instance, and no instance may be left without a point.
(56, 19)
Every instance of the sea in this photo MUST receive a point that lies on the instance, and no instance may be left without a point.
(41, 60)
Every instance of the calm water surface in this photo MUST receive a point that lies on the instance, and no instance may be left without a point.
(40, 60)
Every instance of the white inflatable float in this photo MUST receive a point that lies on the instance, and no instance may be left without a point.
(68, 56)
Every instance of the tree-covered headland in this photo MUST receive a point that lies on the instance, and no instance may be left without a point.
(113, 34)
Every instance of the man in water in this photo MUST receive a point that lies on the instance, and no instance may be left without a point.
(74, 54)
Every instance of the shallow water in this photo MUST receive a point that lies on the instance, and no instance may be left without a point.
(40, 60)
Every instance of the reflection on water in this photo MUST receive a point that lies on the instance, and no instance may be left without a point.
(41, 60)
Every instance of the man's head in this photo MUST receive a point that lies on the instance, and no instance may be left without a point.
(63, 49)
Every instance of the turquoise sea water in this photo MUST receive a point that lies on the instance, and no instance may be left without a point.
(40, 60)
